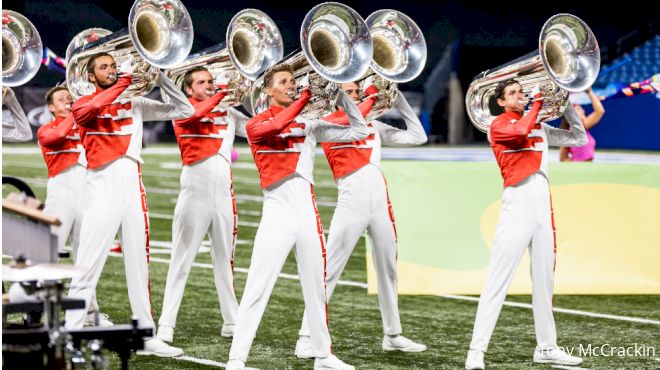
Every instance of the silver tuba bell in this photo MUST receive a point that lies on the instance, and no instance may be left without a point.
(568, 59)
(253, 44)
(159, 35)
(336, 48)
(21, 49)
(399, 56)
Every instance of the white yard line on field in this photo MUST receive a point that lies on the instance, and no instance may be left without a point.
(165, 216)
(456, 297)
(204, 361)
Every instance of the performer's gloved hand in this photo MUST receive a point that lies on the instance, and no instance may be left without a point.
(7, 93)
(127, 67)
(303, 82)
(370, 90)
(222, 81)
(536, 91)
(127, 70)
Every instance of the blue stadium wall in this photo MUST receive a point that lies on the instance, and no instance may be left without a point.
(629, 123)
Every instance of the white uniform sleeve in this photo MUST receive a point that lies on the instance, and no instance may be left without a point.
(178, 106)
(331, 132)
(239, 119)
(15, 126)
(575, 136)
(413, 134)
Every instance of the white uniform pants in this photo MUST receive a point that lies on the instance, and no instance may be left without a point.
(65, 199)
(115, 198)
(526, 222)
(363, 203)
(289, 217)
(206, 204)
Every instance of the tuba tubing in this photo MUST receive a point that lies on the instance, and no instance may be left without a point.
(159, 35)
(399, 56)
(336, 47)
(253, 43)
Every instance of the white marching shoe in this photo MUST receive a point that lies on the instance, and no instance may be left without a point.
(304, 347)
(235, 365)
(331, 362)
(475, 360)
(401, 343)
(554, 355)
(165, 333)
(156, 347)
(227, 330)
(104, 320)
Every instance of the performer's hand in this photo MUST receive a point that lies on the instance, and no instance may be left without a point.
(370, 89)
(222, 82)
(127, 68)
(536, 91)
(303, 82)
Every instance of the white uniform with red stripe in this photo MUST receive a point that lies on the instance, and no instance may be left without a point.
(206, 204)
(65, 192)
(363, 204)
(115, 197)
(526, 220)
(283, 146)
(65, 159)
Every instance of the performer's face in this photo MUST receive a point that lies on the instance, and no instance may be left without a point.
(352, 90)
(512, 100)
(61, 106)
(201, 87)
(105, 72)
(282, 89)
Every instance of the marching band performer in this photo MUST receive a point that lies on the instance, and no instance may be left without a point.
(283, 143)
(364, 204)
(111, 132)
(206, 202)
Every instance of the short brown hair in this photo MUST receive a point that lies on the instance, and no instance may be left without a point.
(499, 90)
(188, 78)
(90, 62)
(282, 67)
(51, 92)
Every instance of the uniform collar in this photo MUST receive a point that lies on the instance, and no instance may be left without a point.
(511, 115)
(276, 109)
(57, 120)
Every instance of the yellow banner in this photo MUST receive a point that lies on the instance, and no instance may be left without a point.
(607, 218)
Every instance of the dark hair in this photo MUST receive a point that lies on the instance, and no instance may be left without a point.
(188, 78)
(52, 91)
(90, 62)
(268, 77)
(499, 90)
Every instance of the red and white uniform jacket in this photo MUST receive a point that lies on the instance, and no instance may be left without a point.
(211, 130)
(60, 145)
(520, 143)
(283, 142)
(346, 158)
(112, 128)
